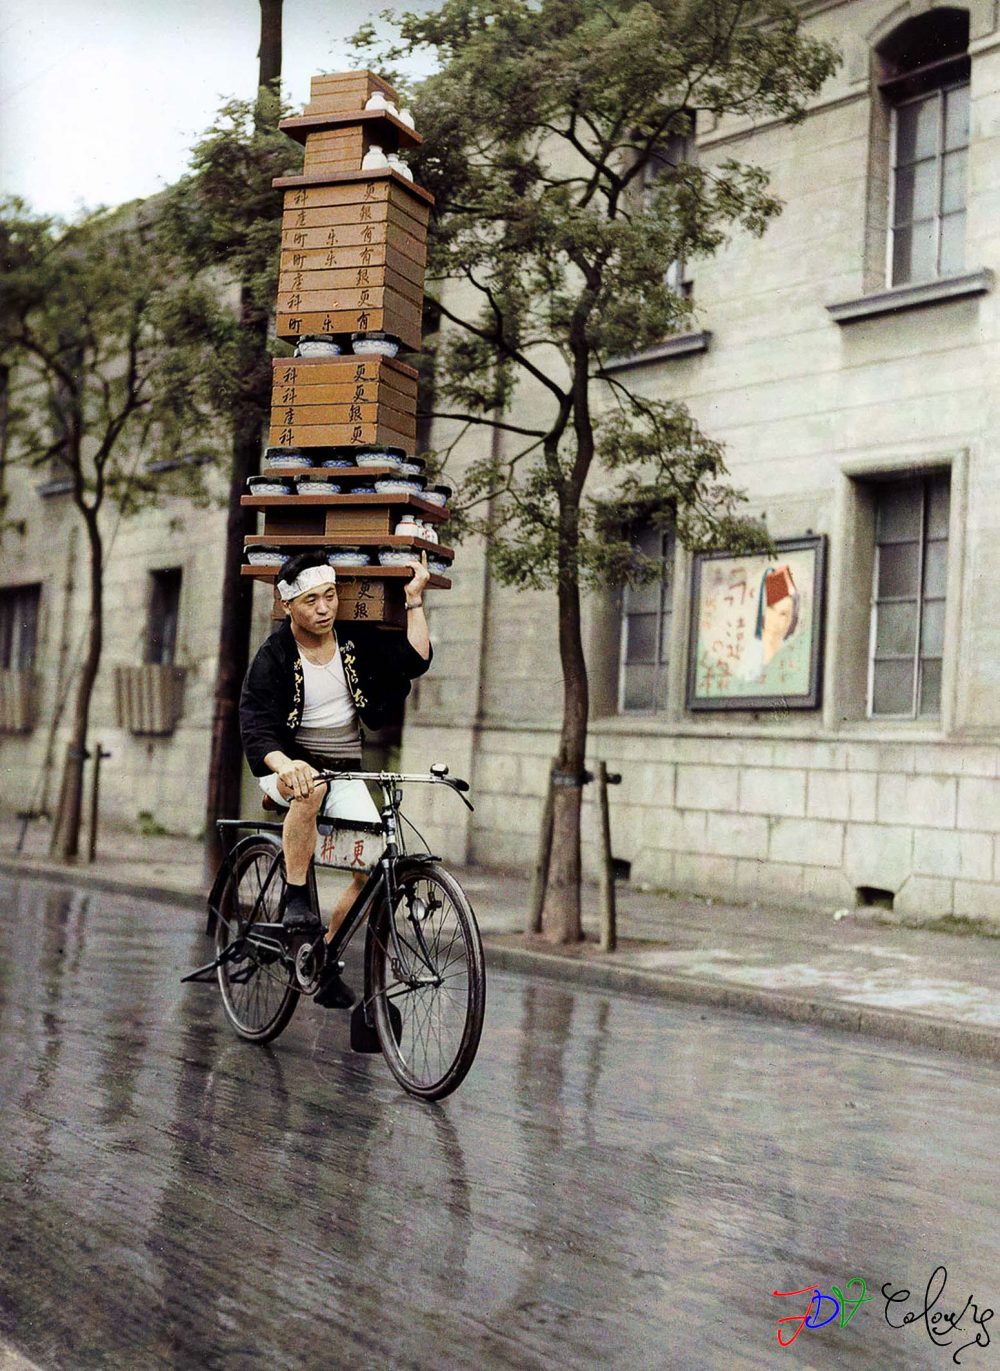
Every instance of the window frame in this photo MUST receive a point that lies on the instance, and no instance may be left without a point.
(924, 479)
(675, 273)
(664, 614)
(12, 635)
(937, 92)
(160, 649)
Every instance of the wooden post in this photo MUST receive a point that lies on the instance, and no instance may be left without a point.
(95, 790)
(609, 914)
(540, 875)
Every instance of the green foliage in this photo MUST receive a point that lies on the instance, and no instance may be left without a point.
(557, 217)
(226, 213)
(149, 825)
(83, 310)
(222, 224)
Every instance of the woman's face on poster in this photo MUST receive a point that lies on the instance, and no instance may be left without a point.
(777, 625)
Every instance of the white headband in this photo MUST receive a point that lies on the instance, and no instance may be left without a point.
(308, 579)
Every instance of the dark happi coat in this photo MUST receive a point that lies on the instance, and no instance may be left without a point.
(378, 666)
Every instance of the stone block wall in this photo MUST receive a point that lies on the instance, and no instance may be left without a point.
(793, 820)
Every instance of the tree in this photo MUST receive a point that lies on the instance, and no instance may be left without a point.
(225, 216)
(82, 318)
(542, 127)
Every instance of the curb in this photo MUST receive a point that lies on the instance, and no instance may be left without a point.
(93, 880)
(916, 1030)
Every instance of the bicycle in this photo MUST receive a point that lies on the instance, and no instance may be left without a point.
(424, 992)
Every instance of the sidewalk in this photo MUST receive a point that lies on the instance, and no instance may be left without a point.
(859, 971)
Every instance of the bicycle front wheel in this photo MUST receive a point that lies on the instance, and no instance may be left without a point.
(256, 978)
(428, 994)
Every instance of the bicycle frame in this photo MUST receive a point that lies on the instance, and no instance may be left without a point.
(380, 877)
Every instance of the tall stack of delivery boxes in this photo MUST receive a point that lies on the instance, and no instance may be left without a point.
(340, 472)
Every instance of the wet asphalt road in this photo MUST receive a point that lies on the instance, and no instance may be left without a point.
(619, 1182)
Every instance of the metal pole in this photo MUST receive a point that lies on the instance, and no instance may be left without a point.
(609, 913)
(95, 788)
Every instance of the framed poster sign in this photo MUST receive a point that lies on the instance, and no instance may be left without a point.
(756, 628)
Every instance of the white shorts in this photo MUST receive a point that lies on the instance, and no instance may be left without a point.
(344, 799)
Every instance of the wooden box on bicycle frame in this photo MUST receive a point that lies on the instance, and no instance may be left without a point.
(348, 844)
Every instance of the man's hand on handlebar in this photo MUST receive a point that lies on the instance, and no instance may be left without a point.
(297, 777)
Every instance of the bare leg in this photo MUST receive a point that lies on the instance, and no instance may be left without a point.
(298, 835)
(347, 897)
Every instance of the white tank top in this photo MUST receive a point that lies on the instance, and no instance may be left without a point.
(327, 702)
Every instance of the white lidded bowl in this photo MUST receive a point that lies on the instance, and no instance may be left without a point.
(437, 495)
(265, 556)
(285, 457)
(438, 566)
(317, 347)
(397, 485)
(379, 459)
(269, 485)
(348, 556)
(375, 344)
(394, 556)
(316, 485)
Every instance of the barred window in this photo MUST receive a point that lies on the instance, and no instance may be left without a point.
(908, 603)
(647, 619)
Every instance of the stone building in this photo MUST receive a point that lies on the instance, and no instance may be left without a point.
(152, 703)
(846, 361)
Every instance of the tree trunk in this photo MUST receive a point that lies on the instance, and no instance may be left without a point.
(65, 842)
(225, 766)
(269, 52)
(561, 910)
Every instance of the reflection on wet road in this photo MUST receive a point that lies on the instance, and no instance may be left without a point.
(619, 1183)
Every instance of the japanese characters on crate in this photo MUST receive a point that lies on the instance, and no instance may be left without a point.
(340, 470)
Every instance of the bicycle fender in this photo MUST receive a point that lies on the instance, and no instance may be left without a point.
(222, 875)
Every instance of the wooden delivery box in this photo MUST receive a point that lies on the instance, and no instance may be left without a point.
(343, 92)
(353, 256)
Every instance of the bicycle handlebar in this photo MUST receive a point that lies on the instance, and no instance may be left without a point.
(393, 778)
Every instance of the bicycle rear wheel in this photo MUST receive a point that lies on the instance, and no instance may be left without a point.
(257, 981)
(428, 1006)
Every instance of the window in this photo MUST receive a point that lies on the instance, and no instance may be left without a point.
(19, 626)
(908, 603)
(674, 153)
(164, 609)
(926, 82)
(647, 617)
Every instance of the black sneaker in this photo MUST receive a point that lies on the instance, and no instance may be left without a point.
(298, 914)
(333, 992)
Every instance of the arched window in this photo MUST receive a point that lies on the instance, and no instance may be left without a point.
(923, 75)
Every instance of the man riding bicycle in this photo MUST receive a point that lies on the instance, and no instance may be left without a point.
(302, 699)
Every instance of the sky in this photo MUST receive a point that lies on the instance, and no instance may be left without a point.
(101, 100)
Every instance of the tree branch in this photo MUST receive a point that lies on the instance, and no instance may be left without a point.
(491, 423)
(500, 342)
